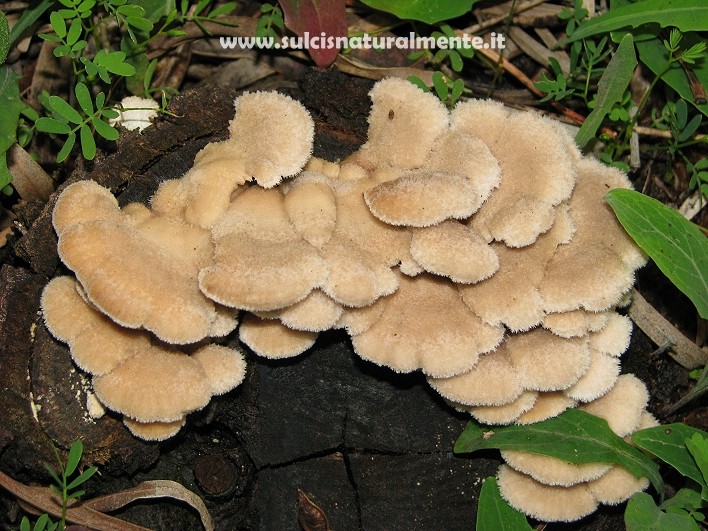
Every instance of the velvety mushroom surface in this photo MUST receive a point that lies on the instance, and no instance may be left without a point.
(474, 245)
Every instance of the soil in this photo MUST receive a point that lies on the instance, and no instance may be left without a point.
(371, 448)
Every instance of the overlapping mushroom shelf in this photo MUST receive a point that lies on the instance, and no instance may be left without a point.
(473, 245)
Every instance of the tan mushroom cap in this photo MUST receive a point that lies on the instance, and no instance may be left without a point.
(315, 313)
(272, 339)
(453, 250)
(544, 502)
(596, 268)
(505, 413)
(613, 339)
(575, 323)
(224, 367)
(273, 135)
(511, 295)
(260, 261)
(600, 377)
(546, 406)
(155, 385)
(358, 320)
(622, 406)
(427, 326)
(491, 382)
(551, 471)
(312, 208)
(404, 123)
(616, 486)
(535, 174)
(153, 431)
(110, 256)
(546, 362)
(96, 343)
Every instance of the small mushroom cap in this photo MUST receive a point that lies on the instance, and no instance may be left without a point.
(96, 343)
(622, 406)
(613, 339)
(273, 134)
(544, 502)
(261, 262)
(575, 323)
(598, 380)
(315, 313)
(506, 413)
(404, 123)
(153, 431)
(155, 385)
(546, 362)
(547, 405)
(138, 114)
(272, 339)
(312, 209)
(491, 382)
(551, 471)
(225, 368)
(422, 199)
(453, 250)
(426, 325)
(596, 268)
(358, 320)
(84, 202)
(616, 486)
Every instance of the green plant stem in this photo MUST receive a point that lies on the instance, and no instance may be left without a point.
(682, 145)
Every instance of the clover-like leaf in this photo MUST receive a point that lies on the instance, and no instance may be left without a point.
(46, 124)
(83, 96)
(65, 110)
(88, 144)
(104, 129)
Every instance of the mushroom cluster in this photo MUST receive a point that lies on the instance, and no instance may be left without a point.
(473, 245)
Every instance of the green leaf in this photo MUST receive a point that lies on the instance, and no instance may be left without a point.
(698, 446)
(52, 473)
(224, 9)
(11, 106)
(77, 448)
(115, 63)
(4, 37)
(85, 476)
(495, 514)
(574, 436)
(610, 89)
(51, 125)
(428, 11)
(67, 147)
(65, 110)
(105, 130)
(88, 144)
(686, 15)
(441, 88)
(691, 127)
(676, 245)
(58, 23)
(667, 442)
(457, 87)
(642, 514)
(74, 32)
(130, 10)
(83, 96)
(41, 522)
(140, 23)
(687, 499)
(29, 17)
(419, 83)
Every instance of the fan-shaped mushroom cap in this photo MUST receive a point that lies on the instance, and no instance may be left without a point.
(453, 250)
(551, 471)
(426, 325)
(153, 431)
(312, 209)
(155, 385)
(491, 382)
(273, 134)
(616, 486)
(358, 320)
(622, 406)
(546, 406)
(110, 254)
(613, 339)
(511, 295)
(315, 313)
(404, 123)
(546, 362)
(260, 261)
(96, 343)
(272, 339)
(575, 323)
(599, 378)
(536, 176)
(505, 413)
(224, 368)
(544, 502)
(596, 268)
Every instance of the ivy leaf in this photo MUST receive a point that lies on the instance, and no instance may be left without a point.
(668, 444)
(315, 17)
(675, 244)
(495, 514)
(642, 514)
(610, 88)
(574, 436)
(428, 11)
